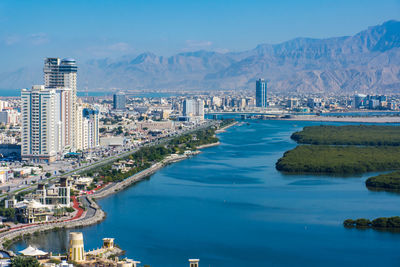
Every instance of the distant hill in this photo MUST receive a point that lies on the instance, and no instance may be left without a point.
(366, 62)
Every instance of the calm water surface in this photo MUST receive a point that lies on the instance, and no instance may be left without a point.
(229, 207)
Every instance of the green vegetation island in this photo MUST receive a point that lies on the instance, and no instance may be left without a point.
(346, 149)
(366, 135)
(339, 159)
(350, 149)
(386, 182)
(381, 223)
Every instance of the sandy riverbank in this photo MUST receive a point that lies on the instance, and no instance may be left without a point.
(209, 145)
(378, 119)
(226, 127)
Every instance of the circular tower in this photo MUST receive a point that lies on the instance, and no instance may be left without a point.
(76, 251)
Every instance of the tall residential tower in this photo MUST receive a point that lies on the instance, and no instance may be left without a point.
(40, 127)
(261, 93)
(61, 75)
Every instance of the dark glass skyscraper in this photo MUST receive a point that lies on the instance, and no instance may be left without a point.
(261, 93)
(119, 101)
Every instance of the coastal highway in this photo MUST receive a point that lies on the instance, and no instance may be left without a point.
(107, 160)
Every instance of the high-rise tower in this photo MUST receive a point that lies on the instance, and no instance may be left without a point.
(261, 93)
(119, 101)
(40, 128)
(61, 75)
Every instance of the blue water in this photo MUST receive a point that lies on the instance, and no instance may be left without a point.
(230, 207)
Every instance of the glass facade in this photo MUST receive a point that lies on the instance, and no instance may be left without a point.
(261, 93)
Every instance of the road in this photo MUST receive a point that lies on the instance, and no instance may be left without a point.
(21, 188)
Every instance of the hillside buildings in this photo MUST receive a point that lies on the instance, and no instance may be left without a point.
(261, 93)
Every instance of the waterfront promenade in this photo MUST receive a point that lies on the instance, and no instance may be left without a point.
(93, 213)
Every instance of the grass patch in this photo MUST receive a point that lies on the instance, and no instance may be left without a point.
(366, 135)
(339, 159)
(389, 181)
(384, 223)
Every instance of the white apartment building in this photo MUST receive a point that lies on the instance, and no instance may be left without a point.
(87, 127)
(193, 108)
(39, 109)
(3, 104)
(78, 131)
(90, 126)
(66, 134)
(52, 121)
(9, 116)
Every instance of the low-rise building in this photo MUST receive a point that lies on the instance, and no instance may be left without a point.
(6, 174)
(31, 211)
(155, 125)
(55, 196)
(26, 171)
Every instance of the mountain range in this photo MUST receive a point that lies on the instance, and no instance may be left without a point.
(367, 62)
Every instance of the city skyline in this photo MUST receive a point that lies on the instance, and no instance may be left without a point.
(222, 133)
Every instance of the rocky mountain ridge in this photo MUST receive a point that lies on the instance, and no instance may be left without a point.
(366, 62)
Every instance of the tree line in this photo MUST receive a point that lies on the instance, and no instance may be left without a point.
(366, 135)
(339, 159)
(380, 223)
(388, 181)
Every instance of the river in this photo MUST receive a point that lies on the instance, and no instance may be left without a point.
(228, 206)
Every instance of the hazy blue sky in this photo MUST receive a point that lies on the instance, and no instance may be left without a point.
(32, 30)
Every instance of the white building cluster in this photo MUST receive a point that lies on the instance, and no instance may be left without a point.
(53, 122)
(193, 109)
(8, 115)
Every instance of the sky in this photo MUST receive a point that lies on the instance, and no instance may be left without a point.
(87, 29)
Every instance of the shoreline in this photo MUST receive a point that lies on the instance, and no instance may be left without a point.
(209, 145)
(99, 214)
(223, 129)
(356, 119)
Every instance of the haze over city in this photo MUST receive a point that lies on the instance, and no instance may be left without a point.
(117, 32)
